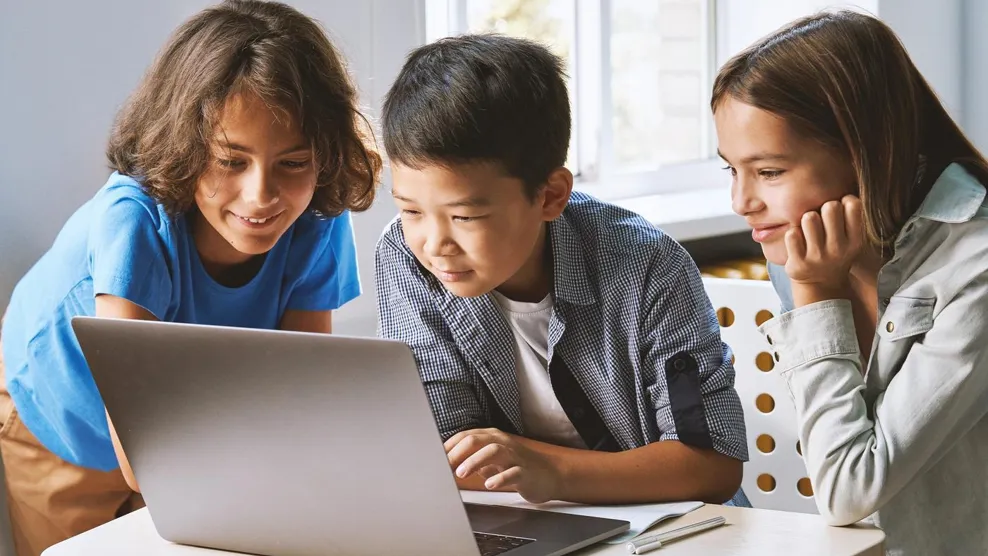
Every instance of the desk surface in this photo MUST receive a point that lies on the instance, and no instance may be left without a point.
(748, 532)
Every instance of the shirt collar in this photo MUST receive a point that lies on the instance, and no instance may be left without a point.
(571, 276)
(955, 197)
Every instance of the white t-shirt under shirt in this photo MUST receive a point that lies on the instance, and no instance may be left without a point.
(541, 413)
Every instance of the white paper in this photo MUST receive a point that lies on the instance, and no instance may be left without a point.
(641, 516)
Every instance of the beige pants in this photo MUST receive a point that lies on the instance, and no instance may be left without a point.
(50, 499)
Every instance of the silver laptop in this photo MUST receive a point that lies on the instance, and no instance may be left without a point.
(292, 444)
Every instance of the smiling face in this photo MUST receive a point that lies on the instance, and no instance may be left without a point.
(260, 179)
(777, 175)
(476, 230)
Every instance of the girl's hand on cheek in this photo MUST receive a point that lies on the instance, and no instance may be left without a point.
(822, 249)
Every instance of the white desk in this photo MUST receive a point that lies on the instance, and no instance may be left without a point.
(747, 533)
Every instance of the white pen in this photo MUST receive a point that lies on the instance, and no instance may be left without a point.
(652, 542)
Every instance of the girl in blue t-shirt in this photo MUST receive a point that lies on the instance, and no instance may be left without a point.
(237, 161)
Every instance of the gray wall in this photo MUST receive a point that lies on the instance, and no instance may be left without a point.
(975, 71)
(930, 29)
(65, 68)
(932, 32)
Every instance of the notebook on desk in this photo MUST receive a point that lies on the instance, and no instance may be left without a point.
(293, 444)
(641, 516)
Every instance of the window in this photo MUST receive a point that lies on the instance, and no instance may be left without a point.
(639, 77)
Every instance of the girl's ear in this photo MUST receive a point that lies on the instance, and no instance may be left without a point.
(555, 194)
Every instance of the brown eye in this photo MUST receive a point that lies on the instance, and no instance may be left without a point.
(469, 218)
(229, 163)
(295, 164)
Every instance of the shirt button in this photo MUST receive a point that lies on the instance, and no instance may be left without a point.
(890, 326)
(679, 365)
(578, 413)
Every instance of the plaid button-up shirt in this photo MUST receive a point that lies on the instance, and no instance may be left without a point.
(632, 333)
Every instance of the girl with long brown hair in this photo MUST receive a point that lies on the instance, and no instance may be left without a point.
(869, 204)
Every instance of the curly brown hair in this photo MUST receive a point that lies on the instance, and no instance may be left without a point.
(162, 136)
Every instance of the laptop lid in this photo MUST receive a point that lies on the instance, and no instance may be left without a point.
(277, 442)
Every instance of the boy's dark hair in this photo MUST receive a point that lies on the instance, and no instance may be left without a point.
(480, 99)
(163, 135)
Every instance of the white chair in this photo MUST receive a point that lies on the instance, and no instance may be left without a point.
(775, 476)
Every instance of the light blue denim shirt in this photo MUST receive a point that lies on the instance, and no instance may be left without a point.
(906, 438)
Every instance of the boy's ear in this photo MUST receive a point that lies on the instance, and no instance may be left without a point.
(555, 194)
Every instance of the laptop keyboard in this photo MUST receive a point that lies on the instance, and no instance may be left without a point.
(492, 545)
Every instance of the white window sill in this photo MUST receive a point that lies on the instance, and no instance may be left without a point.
(688, 201)
(688, 215)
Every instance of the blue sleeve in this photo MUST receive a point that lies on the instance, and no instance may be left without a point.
(783, 288)
(331, 278)
(128, 255)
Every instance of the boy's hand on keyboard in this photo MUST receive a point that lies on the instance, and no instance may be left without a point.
(505, 463)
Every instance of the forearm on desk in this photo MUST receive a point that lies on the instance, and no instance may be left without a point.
(659, 472)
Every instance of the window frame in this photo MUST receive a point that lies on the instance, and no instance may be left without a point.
(592, 144)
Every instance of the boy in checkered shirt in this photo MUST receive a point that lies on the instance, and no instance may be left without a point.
(567, 346)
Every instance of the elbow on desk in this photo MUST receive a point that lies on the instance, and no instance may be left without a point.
(727, 485)
(719, 497)
(842, 510)
(847, 490)
(841, 518)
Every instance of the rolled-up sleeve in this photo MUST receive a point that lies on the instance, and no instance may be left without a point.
(693, 391)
